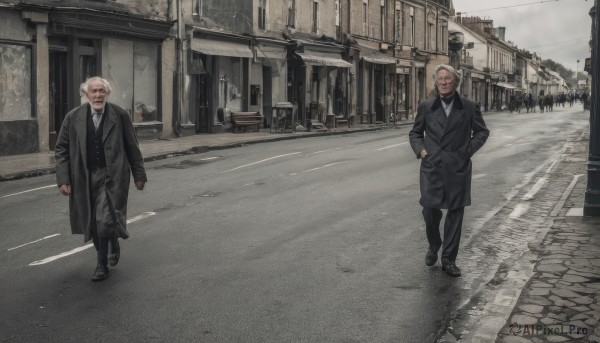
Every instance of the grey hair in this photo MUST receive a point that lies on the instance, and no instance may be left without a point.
(83, 88)
(451, 70)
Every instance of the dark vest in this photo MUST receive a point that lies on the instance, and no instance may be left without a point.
(95, 149)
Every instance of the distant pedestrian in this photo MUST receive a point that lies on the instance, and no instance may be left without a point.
(448, 130)
(584, 100)
(541, 101)
(530, 103)
(96, 153)
(519, 102)
(571, 99)
(549, 101)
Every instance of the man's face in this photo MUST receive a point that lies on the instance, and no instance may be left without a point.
(445, 82)
(96, 95)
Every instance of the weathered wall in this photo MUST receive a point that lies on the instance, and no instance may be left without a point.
(18, 137)
(326, 23)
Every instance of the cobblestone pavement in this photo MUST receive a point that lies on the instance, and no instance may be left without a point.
(561, 302)
(531, 264)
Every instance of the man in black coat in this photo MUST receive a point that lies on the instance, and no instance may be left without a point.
(447, 132)
(97, 153)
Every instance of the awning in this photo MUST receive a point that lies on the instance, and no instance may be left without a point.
(505, 85)
(271, 53)
(379, 60)
(221, 48)
(329, 60)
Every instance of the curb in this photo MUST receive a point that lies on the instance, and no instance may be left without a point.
(204, 148)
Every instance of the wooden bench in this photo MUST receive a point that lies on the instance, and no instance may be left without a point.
(245, 119)
(341, 120)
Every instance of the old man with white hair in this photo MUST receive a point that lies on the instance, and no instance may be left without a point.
(448, 131)
(97, 152)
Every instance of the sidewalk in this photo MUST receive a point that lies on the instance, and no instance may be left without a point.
(28, 165)
(561, 301)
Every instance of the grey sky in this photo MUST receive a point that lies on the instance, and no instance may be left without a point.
(556, 29)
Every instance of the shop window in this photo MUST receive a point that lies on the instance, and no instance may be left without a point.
(231, 83)
(132, 70)
(15, 82)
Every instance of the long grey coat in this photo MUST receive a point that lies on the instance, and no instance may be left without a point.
(445, 173)
(122, 156)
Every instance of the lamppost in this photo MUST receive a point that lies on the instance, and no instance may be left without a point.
(577, 76)
(591, 206)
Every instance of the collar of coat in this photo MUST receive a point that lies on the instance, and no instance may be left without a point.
(458, 104)
(110, 120)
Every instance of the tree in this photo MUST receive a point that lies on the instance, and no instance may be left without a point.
(565, 73)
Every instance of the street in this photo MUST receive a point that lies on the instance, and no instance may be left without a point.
(304, 240)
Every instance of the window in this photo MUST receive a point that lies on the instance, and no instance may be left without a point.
(291, 13)
(365, 18)
(398, 22)
(199, 8)
(444, 38)
(431, 35)
(411, 26)
(15, 82)
(262, 13)
(315, 16)
(231, 83)
(132, 70)
(383, 20)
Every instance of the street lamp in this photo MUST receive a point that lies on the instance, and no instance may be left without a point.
(591, 206)
(577, 75)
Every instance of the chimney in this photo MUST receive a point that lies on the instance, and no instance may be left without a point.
(502, 33)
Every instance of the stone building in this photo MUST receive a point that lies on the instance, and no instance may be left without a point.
(181, 66)
(394, 47)
(494, 75)
(48, 48)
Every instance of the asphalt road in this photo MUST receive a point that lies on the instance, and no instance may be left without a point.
(307, 240)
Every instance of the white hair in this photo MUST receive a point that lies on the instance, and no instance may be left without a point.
(83, 88)
(451, 70)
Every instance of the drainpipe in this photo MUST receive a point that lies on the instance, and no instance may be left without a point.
(178, 84)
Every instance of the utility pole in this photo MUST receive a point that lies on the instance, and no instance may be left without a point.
(591, 205)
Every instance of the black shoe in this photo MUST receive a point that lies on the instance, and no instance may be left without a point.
(431, 257)
(451, 269)
(100, 273)
(115, 252)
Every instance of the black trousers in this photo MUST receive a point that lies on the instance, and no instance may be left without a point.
(452, 231)
(102, 219)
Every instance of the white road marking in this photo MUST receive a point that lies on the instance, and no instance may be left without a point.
(536, 188)
(322, 151)
(209, 158)
(325, 166)
(61, 255)
(37, 240)
(478, 176)
(391, 146)
(27, 191)
(257, 162)
(87, 246)
(551, 167)
(519, 210)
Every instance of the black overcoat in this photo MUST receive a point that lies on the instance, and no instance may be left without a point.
(445, 174)
(123, 158)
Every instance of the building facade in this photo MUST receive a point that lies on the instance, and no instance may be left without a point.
(180, 67)
(48, 48)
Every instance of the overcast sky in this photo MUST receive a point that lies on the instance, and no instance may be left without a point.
(554, 29)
